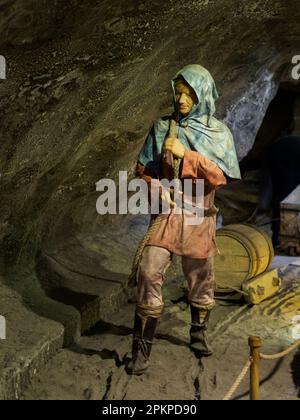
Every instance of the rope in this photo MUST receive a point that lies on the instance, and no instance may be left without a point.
(249, 362)
(238, 380)
(138, 255)
(281, 354)
(231, 288)
(155, 223)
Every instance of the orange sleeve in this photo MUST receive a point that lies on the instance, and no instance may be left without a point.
(197, 166)
(144, 173)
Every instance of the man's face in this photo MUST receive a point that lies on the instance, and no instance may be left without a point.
(185, 98)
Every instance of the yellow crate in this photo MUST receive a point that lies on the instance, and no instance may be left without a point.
(261, 287)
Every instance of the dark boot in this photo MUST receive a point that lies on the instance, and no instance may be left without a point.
(199, 343)
(143, 335)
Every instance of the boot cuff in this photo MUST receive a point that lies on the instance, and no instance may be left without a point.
(203, 307)
(145, 311)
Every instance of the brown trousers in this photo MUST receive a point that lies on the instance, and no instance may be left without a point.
(155, 261)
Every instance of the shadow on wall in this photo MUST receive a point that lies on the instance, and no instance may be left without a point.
(276, 155)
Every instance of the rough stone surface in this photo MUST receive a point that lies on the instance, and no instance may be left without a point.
(25, 22)
(30, 342)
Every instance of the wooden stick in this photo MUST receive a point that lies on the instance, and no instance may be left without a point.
(255, 344)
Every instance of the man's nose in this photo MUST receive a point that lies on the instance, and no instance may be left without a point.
(182, 98)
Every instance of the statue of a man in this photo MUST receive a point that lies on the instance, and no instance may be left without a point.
(206, 149)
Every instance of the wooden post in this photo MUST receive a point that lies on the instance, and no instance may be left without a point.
(255, 344)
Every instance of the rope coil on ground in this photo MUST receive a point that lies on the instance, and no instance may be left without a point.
(238, 380)
(281, 354)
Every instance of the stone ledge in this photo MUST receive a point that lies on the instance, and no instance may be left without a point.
(30, 342)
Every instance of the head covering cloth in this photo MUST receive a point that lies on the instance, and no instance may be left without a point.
(199, 130)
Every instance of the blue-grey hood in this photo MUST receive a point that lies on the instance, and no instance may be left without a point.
(199, 130)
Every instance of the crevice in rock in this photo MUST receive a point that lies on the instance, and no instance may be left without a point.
(197, 388)
(108, 385)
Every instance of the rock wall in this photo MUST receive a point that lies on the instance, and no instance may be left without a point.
(25, 22)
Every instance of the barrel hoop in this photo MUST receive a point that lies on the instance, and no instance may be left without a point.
(252, 244)
(242, 241)
(268, 240)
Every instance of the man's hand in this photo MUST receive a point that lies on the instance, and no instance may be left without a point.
(166, 196)
(175, 147)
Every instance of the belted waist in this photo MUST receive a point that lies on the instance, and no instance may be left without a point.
(211, 211)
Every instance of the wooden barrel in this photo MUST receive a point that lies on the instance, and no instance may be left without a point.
(245, 252)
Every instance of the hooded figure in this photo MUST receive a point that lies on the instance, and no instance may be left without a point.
(206, 149)
(198, 131)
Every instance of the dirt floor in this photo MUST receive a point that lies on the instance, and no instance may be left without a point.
(94, 368)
